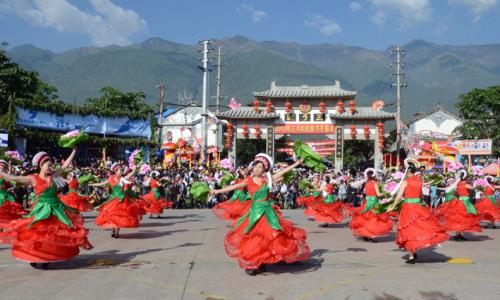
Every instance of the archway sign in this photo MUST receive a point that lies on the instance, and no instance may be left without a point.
(326, 113)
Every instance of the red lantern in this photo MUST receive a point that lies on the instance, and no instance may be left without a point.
(366, 130)
(229, 127)
(256, 105)
(380, 125)
(353, 131)
(245, 131)
(257, 131)
(340, 107)
(352, 106)
(288, 106)
(269, 106)
(322, 106)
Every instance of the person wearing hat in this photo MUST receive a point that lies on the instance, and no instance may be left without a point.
(459, 214)
(52, 231)
(417, 227)
(154, 203)
(120, 210)
(262, 236)
(9, 208)
(232, 209)
(366, 222)
(74, 199)
(487, 207)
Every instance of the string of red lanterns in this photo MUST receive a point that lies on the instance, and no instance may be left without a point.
(353, 132)
(269, 106)
(352, 106)
(229, 136)
(288, 106)
(366, 130)
(380, 127)
(246, 132)
(258, 132)
(256, 105)
(322, 107)
(340, 107)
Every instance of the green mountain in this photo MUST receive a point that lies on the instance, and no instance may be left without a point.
(435, 73)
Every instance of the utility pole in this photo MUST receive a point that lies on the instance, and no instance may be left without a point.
(204, 104)
(218, 80)
(160, 120)
(398, 86)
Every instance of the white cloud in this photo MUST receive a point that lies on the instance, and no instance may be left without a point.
(407, 12)
(477, 6)
(355, 6)
(255, 14)
(326, 26)
(106, 24)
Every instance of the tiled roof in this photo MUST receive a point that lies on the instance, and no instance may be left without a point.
(247, 113)
(364, 113)
(305, 91)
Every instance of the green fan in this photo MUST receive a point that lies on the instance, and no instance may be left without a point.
(69, 141)
(304, 185)
(199, 191)
(311, 159)
(289, 176)
(87, 179)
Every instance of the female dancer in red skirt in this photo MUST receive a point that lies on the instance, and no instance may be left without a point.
(52, 231)
(460, 215)
(74, 199)
(311, 197)
(155, 204)
(9, 209)
(418, 228)
(326, 210)
(120, 210)
(365, 222)
(487, 208)
(232, 209)
(262, 236)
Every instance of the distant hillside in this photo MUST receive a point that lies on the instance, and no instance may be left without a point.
(435, 73)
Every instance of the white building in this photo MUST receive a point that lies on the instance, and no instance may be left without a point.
(185, 123)
(436, 124)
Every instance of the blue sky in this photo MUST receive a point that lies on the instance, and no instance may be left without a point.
(59, 25)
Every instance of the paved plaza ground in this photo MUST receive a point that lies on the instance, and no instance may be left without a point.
(182, 257)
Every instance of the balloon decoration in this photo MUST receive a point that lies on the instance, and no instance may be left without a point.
(340, 107)
(288, 106)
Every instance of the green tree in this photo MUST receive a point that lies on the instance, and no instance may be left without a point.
(357, 152)
(480, 109)
(118, 101)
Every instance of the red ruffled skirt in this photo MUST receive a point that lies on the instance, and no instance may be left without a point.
(10, 211)
(334, 212)
(418, 228)
(116, 214)
(155, 206)
(76, 201)
(453, 215)
(231, 210)
(264, 245)
(46, 240)
(369, 224)
(487, 211)
(307, 200)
